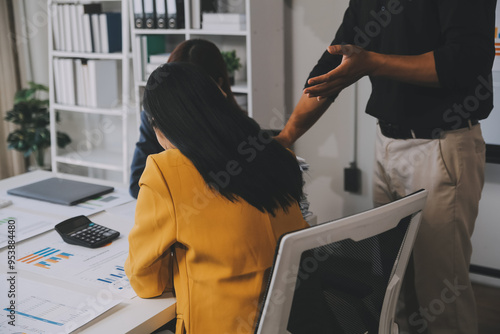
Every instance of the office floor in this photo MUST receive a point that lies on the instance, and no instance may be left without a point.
(488, 308)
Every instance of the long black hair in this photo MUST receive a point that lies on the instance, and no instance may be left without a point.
(228, 148)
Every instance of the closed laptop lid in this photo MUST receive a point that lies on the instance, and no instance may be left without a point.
(61, 191)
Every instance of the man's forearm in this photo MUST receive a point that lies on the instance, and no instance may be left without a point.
(305, 114)
(357, 63)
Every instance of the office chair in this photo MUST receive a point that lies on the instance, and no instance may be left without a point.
(342, 276)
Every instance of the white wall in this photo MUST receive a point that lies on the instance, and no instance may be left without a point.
(486, 237)
(328, 146)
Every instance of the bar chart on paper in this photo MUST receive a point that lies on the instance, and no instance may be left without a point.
(111, 278)
(117, 275)
(99, 267)
(45, 258)
(42, 308)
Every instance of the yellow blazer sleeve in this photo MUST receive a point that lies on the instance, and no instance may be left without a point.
(149, 263)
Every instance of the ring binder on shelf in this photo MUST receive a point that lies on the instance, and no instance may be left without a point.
(111, 32)
(139, 14)
(175, 14)
(96, 32)
(172, 14)
(149, 13)
(160, 8)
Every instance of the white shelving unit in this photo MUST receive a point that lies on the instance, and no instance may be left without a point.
(101, 137)
(260, 47)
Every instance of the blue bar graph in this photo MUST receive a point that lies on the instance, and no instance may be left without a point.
(36, 318)
(116, 277)
(103, 280)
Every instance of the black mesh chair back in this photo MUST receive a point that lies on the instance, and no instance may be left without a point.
(342, 276)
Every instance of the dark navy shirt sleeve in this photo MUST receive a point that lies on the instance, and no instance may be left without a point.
(345, 35)
(147, 144)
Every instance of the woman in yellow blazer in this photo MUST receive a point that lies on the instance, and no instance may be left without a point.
(211, 207)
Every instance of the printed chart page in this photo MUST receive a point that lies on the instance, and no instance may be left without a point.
(102, 267)
(39, 308)
(27, 225)
(34, 217)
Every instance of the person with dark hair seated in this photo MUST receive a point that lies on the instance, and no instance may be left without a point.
(211, 207)
(197, 51)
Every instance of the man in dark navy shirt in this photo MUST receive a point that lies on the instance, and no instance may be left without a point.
(429, 62)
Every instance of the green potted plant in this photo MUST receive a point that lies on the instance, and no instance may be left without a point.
(31, 114)
(232, 63)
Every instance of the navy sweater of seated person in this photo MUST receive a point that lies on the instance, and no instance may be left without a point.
(147, 144)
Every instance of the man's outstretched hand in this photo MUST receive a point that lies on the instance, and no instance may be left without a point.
(356, 63)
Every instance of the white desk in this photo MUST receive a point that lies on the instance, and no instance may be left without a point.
(134, 315)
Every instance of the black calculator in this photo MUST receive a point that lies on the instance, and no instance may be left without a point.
(82, 231)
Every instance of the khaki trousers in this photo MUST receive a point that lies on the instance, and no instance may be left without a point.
(436, 293)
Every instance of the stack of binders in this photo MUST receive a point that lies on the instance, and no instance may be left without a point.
(85, 28)
(158, 14)
(86, 82)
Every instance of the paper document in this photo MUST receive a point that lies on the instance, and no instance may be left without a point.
(102, 267)
(46, 309)
(126, 210)
(26, 225)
